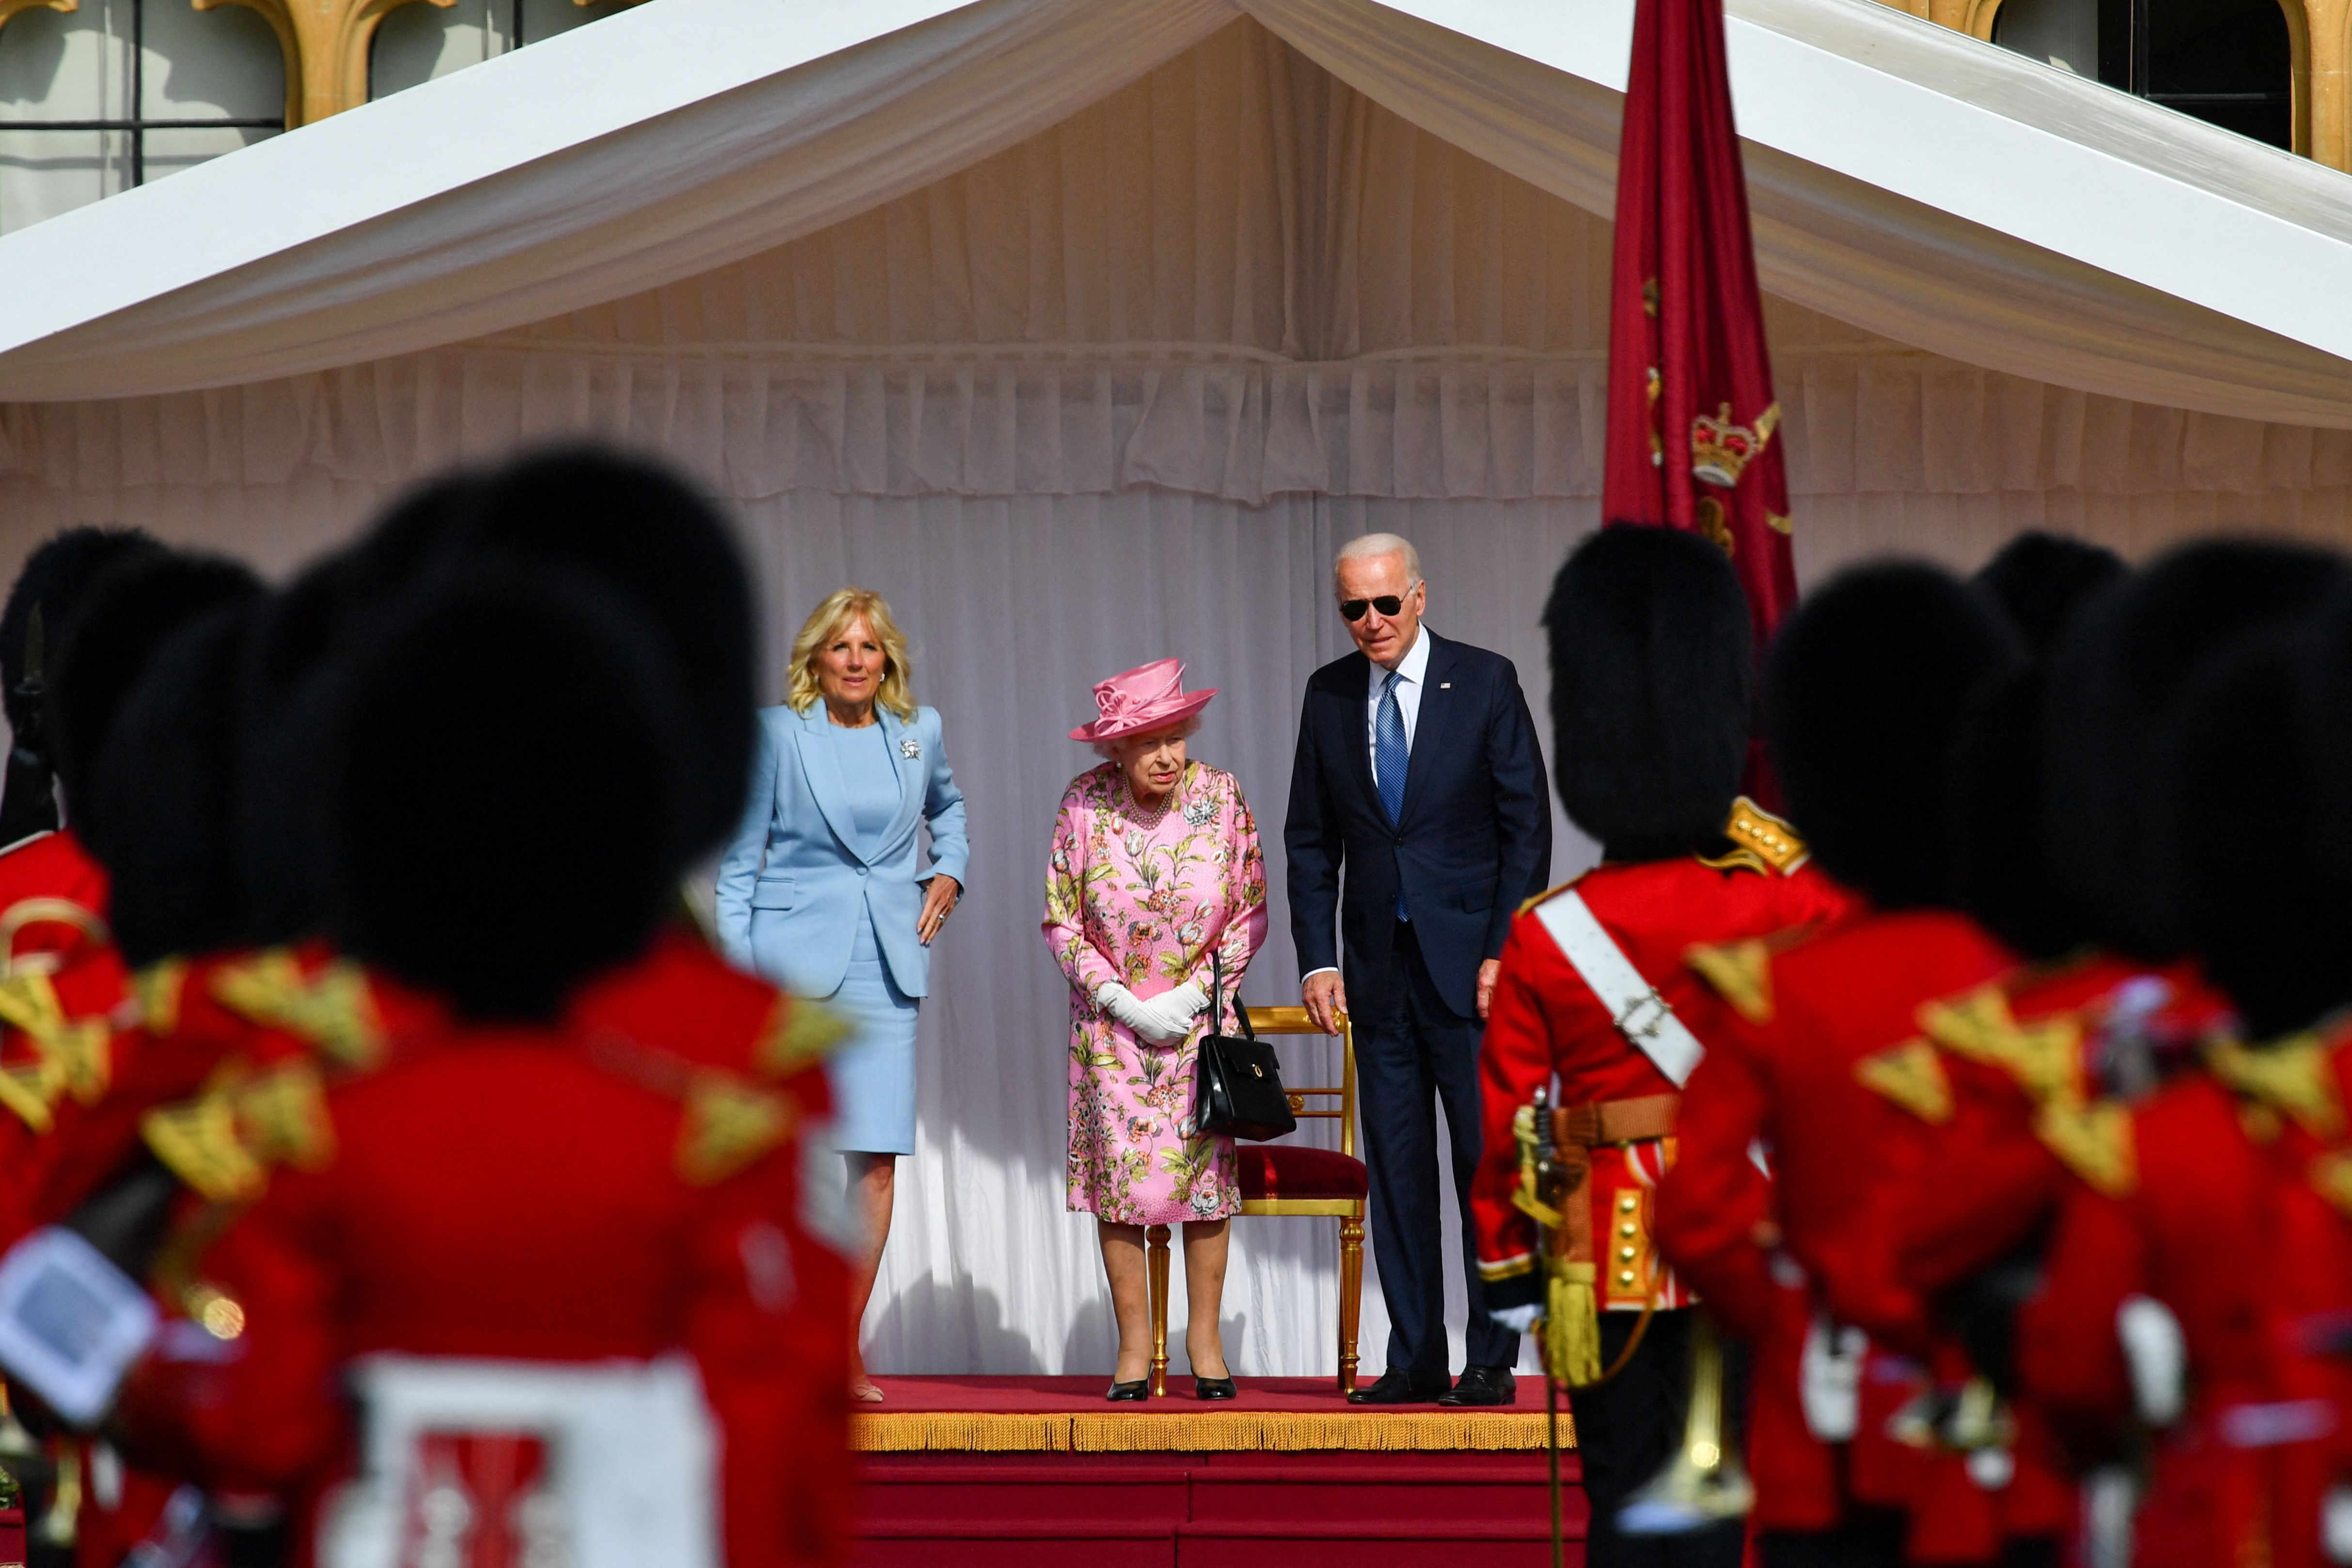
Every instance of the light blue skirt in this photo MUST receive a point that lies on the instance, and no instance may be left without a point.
(873, 1076)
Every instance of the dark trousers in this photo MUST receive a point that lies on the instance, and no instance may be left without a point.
(1410, 1053)
(1873, 1538)
(1626, 1430)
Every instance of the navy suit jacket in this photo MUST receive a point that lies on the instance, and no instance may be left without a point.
(1474, 841)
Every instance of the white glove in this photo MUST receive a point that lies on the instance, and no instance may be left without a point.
(2156, 1354)
(1522, 1319)
(1176, 1009)
(1142, 1017)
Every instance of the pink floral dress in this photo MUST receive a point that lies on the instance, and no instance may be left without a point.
(1142, 898)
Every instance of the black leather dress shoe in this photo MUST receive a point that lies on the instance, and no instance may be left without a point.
(1395, 1387)
(1483, 1385)
(1214, 1388)
(1120, 1393)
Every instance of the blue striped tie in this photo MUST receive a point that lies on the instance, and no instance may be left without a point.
(1389, 760)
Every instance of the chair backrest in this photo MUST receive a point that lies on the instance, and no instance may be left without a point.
(1293, 1021)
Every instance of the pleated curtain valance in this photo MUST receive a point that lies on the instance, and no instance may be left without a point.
(1855, 422)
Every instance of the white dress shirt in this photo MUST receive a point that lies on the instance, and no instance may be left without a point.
(1410, 670)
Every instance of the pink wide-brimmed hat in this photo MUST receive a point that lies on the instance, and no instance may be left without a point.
(1143, 699)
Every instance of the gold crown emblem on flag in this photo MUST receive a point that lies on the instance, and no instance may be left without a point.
(1720, 449)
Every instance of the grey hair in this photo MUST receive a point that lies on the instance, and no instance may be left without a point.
(1105, 749)
(1371, 547)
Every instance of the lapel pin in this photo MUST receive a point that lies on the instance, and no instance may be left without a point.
(1445, 685)
(910, 748)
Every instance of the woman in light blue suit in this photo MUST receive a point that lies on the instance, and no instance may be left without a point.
(821, 891)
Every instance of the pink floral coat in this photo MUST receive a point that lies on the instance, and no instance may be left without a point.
(1143, 900)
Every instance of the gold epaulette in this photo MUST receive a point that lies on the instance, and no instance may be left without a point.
(2094, 1139)
(1761, 842)
(1550, 892)
(2045, 1057)
(223, 1143)
(2296, 1076)
(1740, 973)
(729, 1123)
(1911, 1075)
(78, 1053)
(800, 1033)
(2331, 1178)
(31, 1090)
(333, 1009)
(157, 988)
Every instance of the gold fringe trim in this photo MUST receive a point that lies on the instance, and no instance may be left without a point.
(958, 1431)
(1225, 1431)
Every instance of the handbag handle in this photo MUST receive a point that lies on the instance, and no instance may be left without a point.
(1217, 998)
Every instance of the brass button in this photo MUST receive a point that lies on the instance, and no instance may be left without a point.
(1628, 1228)
(1626, 1202)
(1625, 1276)
(1624, 1254)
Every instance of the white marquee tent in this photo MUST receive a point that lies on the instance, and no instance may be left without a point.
(1086, 330)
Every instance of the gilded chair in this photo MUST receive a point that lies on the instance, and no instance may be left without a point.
(1287, 1178)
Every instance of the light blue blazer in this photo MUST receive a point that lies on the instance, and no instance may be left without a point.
(794, 884)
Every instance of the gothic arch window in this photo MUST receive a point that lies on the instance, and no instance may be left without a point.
(97, 96)
(417, 42)
(2236, 63)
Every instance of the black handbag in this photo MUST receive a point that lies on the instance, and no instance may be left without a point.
(1237, 1090)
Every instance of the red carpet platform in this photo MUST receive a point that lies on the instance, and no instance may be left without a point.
(992, 1472)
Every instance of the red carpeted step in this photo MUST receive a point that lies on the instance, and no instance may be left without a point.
(927, 1490)
(1406, 1490)
(1036, 1544)
(1368, 1543)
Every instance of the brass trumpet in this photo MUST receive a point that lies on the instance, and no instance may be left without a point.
(1705, 1483)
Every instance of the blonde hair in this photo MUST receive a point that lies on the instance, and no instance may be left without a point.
(825, 622)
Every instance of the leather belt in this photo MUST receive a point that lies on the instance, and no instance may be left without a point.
(1577, 1131)
(1608, 1122)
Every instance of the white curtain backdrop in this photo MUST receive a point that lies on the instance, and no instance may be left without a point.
(1115, 393)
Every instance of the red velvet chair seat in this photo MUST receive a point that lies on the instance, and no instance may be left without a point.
(1291, 1170)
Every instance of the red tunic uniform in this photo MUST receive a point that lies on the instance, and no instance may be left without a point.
(536, 1196)
(51, 865)
(1809, 1029)
(262, 1033)
(2008, 1050)
(2177, 1203)
(1546, 1021)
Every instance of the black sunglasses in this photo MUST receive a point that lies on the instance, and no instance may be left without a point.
(1387, 604)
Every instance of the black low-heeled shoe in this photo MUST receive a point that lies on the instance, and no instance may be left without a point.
(1121, 1393)
(1214, 1388)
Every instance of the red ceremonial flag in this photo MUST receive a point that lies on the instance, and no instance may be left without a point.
(1692, 424)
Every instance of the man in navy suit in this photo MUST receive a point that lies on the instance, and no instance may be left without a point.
(1418, 772)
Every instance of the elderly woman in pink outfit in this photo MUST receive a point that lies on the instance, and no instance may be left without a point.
(1155, 868)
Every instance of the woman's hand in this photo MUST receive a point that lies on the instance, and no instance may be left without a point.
(1141, 1019)
(939, 895)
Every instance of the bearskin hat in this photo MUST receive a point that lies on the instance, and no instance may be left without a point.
(1651, 689)
(2264, 890)
(289, 655)
(2117, 679)
(165, 788)
(650, 538)
(130, 613)
(1865, 692)
(2040, 579)
(55, 576)
(501, 790)
(2004, 883)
